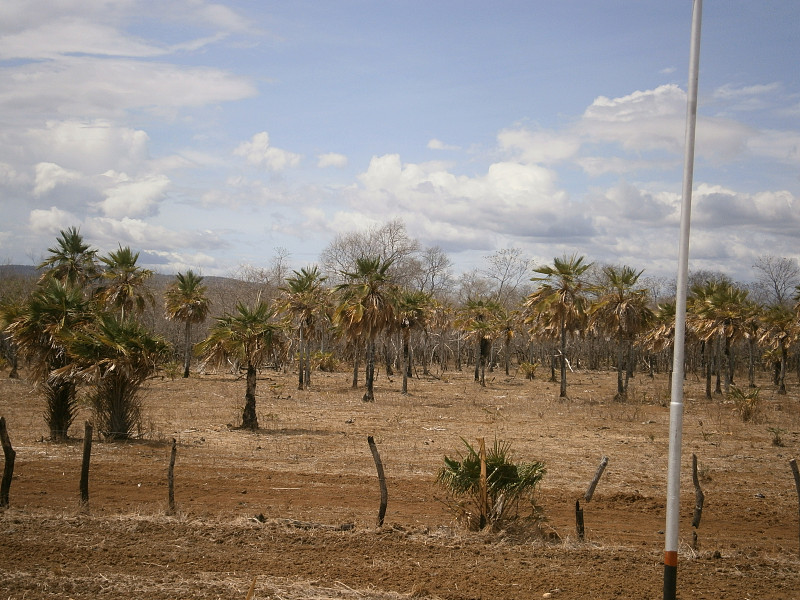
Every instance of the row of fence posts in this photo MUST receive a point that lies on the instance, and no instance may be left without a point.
(10, 454)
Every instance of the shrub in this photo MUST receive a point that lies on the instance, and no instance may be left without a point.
(747, 403)
(325, 361)
(508, 484)
(528, 369)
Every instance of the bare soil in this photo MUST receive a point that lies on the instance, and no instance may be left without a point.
(291, 510)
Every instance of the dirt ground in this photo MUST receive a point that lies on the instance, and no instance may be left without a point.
(291, 510)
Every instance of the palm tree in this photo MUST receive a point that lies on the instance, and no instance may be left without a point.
(366, 309)
(413, 308)
(560, 304)
(479, 318)
(124, 281)
(41, 331)
(779, 330)
(304, 298)
(720, 312)
(621, 310)
(116, 356)
(247, 336)
(660, 335)
(71, 261)
(186, 300)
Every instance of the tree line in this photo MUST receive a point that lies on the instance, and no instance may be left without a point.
(104, 324)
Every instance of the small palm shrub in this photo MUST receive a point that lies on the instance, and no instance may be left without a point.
(747, 403)
(508, 486)
(325, 361)
(528, 370)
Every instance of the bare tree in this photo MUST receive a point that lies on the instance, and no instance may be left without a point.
(776, 278)
(507, 269)
(432, 272)
(390, 242)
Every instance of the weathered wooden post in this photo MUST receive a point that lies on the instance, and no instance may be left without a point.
(484, 485)
(699, 500)
(87, 453)
(598, 474)
(381, 480)
(8, 468)
(796, 473)
(171, 478)
(579, 528)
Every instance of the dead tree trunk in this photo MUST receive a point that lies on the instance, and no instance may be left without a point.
(8, 468)
(87, 453)
(381, 479)
(699, 500)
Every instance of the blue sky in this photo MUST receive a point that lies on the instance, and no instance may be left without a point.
(206, 135)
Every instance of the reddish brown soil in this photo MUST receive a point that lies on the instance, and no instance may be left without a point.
(271, 505)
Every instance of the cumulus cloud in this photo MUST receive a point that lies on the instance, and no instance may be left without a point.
(49, 175)
(331, 159)
(544, 147)
(134, 197)
(50, 221)
(260, 153)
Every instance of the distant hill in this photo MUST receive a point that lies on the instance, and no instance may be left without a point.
(18, 271)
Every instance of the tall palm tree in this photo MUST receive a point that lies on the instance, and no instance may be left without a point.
(779, 330)
(720, 312)
(413, 309)
(480, 318)
(123, 282)
(71, 261)
(185, 300)
(41, 330)
(560, 304)
(116, 356)
(305, 299)
(247, 336)
(366, 309)
(621, 310)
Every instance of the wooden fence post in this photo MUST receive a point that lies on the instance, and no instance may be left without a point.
(8, 468)
(598, 474)
(381, 480)
(796, 473)
(484, 486)
(579, 528)
(171, 478)
(87, 453)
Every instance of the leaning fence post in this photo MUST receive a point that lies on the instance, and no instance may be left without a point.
(171, 478)
(8, 468)
(381, 479)
(87, 453)
(598, 474)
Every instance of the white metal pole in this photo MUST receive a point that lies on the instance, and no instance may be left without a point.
(676, 402)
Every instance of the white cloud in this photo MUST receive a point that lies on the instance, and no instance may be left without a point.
(49, 175)
(134, 198)
(435, 144)
(259, 152)
(104, 88)
(50, 221)
(544, 147)
(332, 159)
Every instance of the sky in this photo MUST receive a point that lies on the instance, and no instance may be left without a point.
(213, 135)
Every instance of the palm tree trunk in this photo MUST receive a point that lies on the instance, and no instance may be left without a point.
(187, 353)
(751, 362)
(782, 377)
(406, 363)
(356, 358)
(563, 392)
(249, 418)
(369, 395)
(300, 359)
(620, 368)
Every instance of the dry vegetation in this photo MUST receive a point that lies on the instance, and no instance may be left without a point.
(293, 505)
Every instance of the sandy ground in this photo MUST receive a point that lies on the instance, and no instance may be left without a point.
(291, 509)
